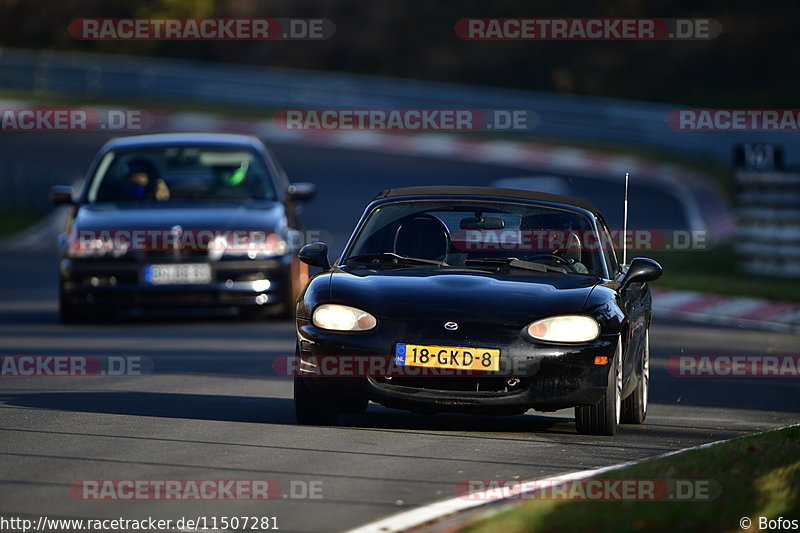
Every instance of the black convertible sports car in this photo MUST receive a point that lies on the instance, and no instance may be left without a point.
(181, 220)
(484, 300)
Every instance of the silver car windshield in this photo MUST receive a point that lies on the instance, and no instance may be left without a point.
(185, 173)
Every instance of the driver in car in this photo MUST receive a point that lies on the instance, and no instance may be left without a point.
(142, 182)
(560, 240)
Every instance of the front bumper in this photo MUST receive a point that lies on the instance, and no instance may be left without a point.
(119, 284)
(545, 377)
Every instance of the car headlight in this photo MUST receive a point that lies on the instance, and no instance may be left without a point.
(342, 318)
(254, 245)
(566, 328)
(96, 244)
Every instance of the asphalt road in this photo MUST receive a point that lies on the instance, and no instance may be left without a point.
(212, 407)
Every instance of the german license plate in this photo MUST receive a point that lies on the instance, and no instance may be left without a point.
(447, 357)
(177, 274)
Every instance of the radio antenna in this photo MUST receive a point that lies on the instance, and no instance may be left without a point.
(625, 225)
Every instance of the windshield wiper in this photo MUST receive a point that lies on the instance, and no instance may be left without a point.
(513, 262)
(395, 259)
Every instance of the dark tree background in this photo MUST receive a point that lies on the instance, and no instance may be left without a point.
(754, 63)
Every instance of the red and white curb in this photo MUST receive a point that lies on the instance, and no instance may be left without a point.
(432, 515)
(726, 310)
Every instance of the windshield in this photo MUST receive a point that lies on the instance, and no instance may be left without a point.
(185, 173)
(488, 235)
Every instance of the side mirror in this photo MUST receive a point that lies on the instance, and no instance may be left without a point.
(61, 194)
(640, 271)
(315, 254)
(301, 192)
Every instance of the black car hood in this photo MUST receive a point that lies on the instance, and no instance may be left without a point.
(430, 294)
(217, 216)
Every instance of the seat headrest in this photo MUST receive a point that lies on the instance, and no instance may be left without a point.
(422, 236)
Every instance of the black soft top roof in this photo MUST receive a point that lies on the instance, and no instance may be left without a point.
(521, 194)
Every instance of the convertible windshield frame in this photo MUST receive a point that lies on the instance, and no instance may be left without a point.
(372, 208)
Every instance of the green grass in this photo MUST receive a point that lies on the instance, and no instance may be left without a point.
(716, 271)
(14, 221)
(755, 476)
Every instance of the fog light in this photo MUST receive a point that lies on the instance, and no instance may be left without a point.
(261, 299)
(261, 285)
(306, 345)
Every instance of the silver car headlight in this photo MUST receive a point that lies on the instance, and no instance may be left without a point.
(95, 244)
(342, 318)
(565, 328)
(254, 245)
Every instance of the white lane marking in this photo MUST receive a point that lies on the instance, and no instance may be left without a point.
(435, 511)
(505, 152)
(734, 306)
(194, 121)
(671, 299)
(736, 421)
(432, 144)
(358, 139)
(792, 317)
(731, 321)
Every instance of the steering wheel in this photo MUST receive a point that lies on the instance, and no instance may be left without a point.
(552, 257)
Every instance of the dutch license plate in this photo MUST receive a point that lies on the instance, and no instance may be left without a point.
(177, 274)
(447, 357)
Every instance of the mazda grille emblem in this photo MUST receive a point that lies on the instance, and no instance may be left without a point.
(450, 326)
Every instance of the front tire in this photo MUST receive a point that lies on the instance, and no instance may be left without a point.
(603, 418)
(313, 407)
(355, 405)
(69, 313)
(634, 407)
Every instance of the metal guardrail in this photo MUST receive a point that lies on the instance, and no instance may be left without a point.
(581, 118)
